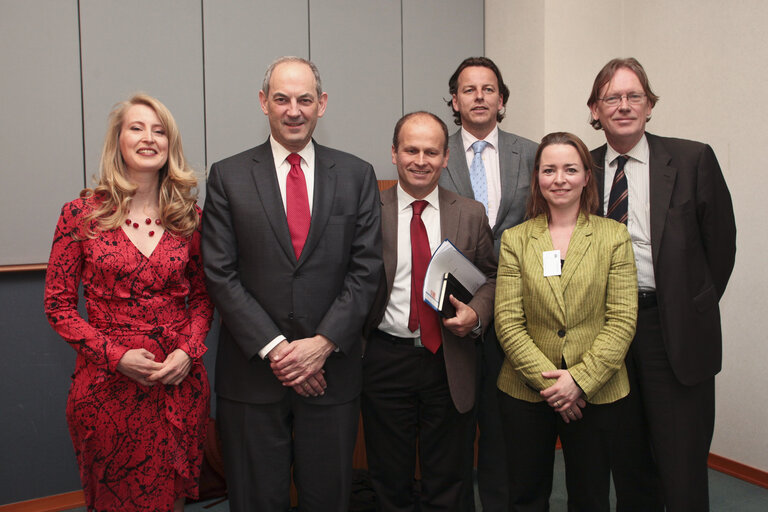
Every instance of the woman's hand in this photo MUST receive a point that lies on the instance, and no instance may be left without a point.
(564, 395)
(174, 369)
(139, 364)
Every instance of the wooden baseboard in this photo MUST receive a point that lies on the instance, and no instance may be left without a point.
(55, 503)
(738, 470)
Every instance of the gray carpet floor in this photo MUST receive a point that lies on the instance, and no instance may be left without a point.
(727, 494)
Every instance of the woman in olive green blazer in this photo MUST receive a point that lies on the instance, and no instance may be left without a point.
(565, 322)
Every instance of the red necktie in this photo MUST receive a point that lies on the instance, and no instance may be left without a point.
(421, 314)
(297, 204)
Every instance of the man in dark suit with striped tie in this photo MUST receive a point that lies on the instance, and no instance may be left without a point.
(673, 198)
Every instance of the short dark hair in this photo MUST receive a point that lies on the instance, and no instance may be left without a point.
(406, 117)
(606, 75)
(453, 84)
(589, 201)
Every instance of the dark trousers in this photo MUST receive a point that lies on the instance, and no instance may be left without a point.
(260, 441)
(406, 405)
(680, 424)
(531, 431)
(491, 453)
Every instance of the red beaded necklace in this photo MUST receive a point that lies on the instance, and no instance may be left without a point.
(147, 221)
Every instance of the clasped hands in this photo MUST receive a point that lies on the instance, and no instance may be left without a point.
(564, 395)
(139, 364)
(299, 364)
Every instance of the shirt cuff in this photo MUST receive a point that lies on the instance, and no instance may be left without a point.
(264, 352)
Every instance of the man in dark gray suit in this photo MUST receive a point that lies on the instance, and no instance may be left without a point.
(494, 167)
(674, 200)
(292, 249)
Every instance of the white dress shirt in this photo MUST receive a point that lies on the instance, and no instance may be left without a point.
(398, 311)
(282, 167)
(491, 163)
(637, 171)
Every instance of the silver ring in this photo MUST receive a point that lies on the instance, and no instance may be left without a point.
(557, 403)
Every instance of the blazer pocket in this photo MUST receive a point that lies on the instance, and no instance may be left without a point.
(706, 300)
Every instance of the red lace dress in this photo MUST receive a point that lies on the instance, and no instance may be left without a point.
(139, 448)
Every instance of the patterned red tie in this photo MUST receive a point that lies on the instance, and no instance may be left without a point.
(297, 204)
(421, 314)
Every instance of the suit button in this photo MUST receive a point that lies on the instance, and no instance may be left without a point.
(290, 315)
(561, 332)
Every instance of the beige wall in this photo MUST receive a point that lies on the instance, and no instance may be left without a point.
(708, 60)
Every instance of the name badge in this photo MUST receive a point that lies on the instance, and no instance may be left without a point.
(551, 260)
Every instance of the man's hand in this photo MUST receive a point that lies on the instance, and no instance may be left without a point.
(314, 385)
(293, 363)
(464, 321)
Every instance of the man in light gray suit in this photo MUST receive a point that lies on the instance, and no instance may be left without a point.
(494, 167)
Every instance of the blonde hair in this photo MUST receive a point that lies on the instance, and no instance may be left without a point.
(178, 184)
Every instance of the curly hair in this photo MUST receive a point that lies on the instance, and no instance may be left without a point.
(178, 184)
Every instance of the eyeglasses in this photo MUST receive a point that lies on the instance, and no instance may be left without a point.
(633, 98)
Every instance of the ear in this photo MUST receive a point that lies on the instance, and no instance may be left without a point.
(454, 103)
(394, 155)
(323, 101)
(263, 102)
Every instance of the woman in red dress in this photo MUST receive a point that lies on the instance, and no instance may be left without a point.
(139, 398)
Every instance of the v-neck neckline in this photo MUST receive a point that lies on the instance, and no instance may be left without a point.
(154, 249)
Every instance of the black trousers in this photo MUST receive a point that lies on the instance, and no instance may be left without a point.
(260, 441)
(406, 405)
(679, 422)
(491, 452)
(531, 431)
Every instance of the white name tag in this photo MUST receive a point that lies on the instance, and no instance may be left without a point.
(551, 260)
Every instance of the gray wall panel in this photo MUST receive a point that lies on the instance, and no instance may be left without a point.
(149, 46)
(356, 45)
(437, 36)
(41, 140)
(242, 37)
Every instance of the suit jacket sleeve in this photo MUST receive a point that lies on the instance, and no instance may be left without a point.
(716, 221)
(606, 355)
(511, 324)
(343, 322)
(250, 325)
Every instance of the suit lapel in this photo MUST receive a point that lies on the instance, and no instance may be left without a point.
(450, 217)
(457, 166)
(268, 190)
(662, 181)
(389, 216)
(509, 170)
(541, 242)
(322, 202)
(577, 247)
(598, 170)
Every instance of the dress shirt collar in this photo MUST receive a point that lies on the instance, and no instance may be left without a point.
(404, 199)
(279, 153)
(468, 139)
(641, 152)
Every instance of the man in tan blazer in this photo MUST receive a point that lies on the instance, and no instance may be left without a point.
(412, 389)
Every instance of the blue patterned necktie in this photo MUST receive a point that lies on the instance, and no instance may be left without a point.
(477, 174)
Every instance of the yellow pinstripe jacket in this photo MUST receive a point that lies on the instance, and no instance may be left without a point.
(586, 316)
